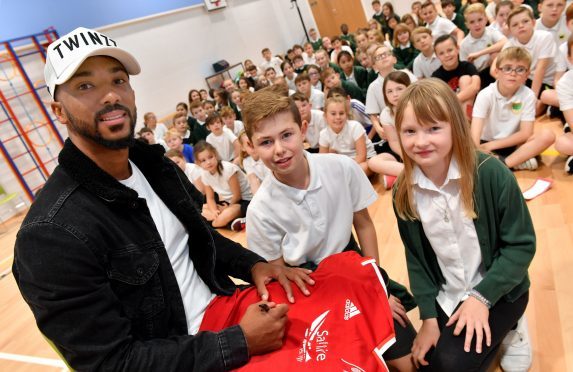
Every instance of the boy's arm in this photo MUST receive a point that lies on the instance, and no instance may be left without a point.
(235, 188)
(366, 233)
(377, 126)
(458, 34)
(360, 145)
(495, 48)
(471, 90)
(476, 129)
(254, 182)
(236, 150)
(518, 138)
(539, 74)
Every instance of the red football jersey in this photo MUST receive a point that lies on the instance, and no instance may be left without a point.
(344, 325)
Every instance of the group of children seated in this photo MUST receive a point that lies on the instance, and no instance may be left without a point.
(429, 102)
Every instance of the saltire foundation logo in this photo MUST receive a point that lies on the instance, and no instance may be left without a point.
(314, 345)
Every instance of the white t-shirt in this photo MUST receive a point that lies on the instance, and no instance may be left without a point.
(195, 294)
(316, 125)
(424, 67)
(490, 10)
(453, 238)
(386, 117)
(275, 63)
(256, 167)
(192, 171)
(334, 54)
(238, 127)
(472, 45)
(316, 99)
(291, 84)
(224, 144)
(560, 31)
(441, 26)
(220, 182)
(541, 45)
(312, 224)
(502, 116)
(565, 91)
(309, 60)
(561, 60)
(344, 143)
(159, 132)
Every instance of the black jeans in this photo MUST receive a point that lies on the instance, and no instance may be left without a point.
(449, 354)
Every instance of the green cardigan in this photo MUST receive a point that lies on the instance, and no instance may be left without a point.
(505, 233)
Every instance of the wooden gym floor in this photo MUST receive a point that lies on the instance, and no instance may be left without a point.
(550, 311)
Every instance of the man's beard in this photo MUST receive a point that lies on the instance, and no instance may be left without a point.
(82, 128)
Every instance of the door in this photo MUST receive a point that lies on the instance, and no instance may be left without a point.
(330, 14)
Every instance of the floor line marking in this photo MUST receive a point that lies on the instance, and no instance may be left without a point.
(34, 360)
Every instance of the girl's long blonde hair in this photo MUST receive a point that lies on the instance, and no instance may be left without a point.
(434, 101)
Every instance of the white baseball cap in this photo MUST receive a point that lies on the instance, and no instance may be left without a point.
(65, 55)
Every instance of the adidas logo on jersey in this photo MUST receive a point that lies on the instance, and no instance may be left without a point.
(350, 310)
(315, 341)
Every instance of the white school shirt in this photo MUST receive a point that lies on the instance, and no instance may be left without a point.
(471, 45)
(312, 224)
(316, 99)
(334, 54)
(223, 143)
(309, 60)
(502, 116)
(490, 10)
(374, 95)
(195, 294)
(256, 167)
(441, 26)
(565, 91)
(561, 61)
(291, 84)
(454, 239)
(275, 63)
(386, 117)
(541, 45)
(424, 67)
(159, 132)
(238, 127)
(344, 143)
(560, 31)
(220, 182)
(192, 171)
(316, 125)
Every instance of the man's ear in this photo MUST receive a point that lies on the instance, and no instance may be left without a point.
(59, 111)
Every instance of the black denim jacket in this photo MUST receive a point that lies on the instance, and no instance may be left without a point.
(92, 267)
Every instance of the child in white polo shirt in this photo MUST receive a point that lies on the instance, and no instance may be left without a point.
(314, 119)
(222, 138)
(541, 47)
(482, 44)
(504, 113)
(439, 25)
(305, 209)
(551, 20)
(426, 62)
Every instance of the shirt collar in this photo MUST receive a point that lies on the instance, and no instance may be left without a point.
(298, 195)
(420, 179)
(405, 46)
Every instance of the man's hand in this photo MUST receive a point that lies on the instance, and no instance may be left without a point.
(264, 330)
(427, 337)
(398, 311)
(263, 273)
(473, 315)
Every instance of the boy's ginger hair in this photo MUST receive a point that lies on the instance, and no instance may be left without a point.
(515, 54)
(303, 76)
(178, 115)
(172, 133)
(226, 112)
(475, 8)
(172, 153)
(427, 4)
(420, 30)
(327, 73)
(266, 103)
(195, 105)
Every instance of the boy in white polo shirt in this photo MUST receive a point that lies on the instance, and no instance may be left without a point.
(551, 20)
(314, 118)
(223, 139)
(426, 62)
(541, 47)
(305, 209)
(482, 44)
(439, 25)
(504, 113)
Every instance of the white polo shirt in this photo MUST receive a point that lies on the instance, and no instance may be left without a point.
(441, 26)
(560, 31)
(275, 63)
(316, 99)
(316, 125)
(223, 143)
(424, 67)
(256, 167)
(386, 117)
(344, 143)
(541, 45)
(503, 115)
(561, 60)
(192, 171)
(451, 233)
(375, 97)
(238, 126)
(565, 91)
(471, 45)
(220, 182)
(312, 224)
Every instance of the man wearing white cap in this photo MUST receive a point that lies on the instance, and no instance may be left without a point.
(113, 257)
